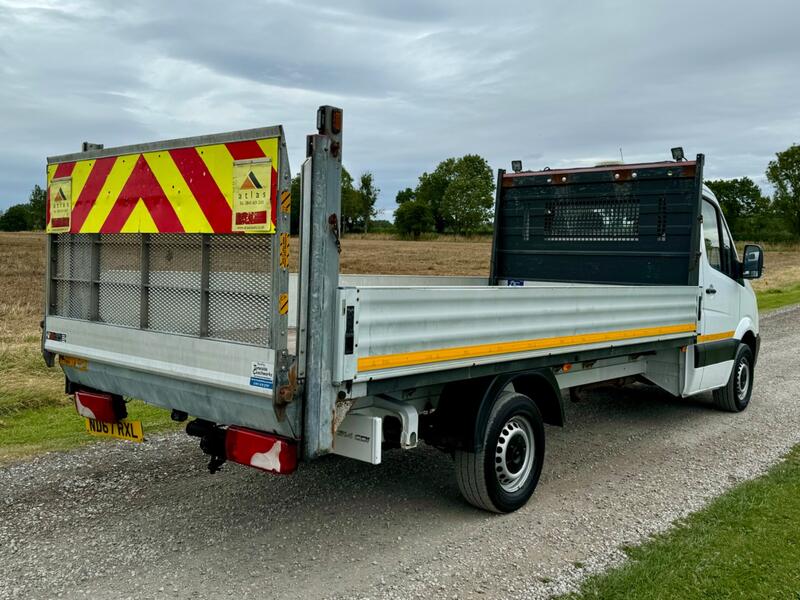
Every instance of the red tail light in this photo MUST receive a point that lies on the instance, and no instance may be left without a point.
(101, 407)
(261, 450)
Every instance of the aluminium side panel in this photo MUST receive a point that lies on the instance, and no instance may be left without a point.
(406, 331)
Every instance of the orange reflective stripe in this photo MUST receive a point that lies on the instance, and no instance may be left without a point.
(712, 337)
(389, 361)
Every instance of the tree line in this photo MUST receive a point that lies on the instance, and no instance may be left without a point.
(358, 204)
(754, 216)
(29, 216)
(458, 197)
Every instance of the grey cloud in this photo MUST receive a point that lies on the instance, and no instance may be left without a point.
(419, 80)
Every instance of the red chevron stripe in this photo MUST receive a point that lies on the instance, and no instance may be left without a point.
(91, 189)
(142, 184)
(203, 187)
(64, 170)
(245, 150)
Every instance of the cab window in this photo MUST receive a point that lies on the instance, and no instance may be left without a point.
(711, 235)
(728, 252)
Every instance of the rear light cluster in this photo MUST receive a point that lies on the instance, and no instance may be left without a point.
(108, 408)
(247, 447)
(261, 450)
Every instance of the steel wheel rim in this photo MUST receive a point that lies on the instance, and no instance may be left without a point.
(742, 379)
(514, 453)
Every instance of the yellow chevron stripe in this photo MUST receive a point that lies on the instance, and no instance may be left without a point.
(178, 193)
(219, 163)
(79, 176)
(140, 220)
(109, 193)
(389, 361)
(284, 258)
(270, 148)
(283, 304)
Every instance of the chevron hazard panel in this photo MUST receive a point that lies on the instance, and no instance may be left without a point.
(216, 188)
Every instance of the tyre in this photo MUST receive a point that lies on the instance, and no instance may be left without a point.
(502, 475)
(735, 395)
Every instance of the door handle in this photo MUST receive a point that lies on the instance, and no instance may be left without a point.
(711, 290)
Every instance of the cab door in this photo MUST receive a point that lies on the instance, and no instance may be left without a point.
(720, 294)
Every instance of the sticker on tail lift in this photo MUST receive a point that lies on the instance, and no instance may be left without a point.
(261, 375)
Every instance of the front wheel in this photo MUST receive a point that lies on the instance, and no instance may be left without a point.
(502, 475)
(735, 395)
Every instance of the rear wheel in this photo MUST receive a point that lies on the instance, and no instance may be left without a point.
(735, 395)
(502, 475)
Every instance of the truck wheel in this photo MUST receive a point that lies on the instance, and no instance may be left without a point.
(503, 474)
(735, 395)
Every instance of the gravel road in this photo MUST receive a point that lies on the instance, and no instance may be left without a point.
(147, 521)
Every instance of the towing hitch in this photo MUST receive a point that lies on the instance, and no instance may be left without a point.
(212, 441)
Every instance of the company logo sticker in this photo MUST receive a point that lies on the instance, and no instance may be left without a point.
(261, 375)
(60, 205)
(252, 201)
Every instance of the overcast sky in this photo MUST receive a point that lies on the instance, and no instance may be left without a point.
(568, 83)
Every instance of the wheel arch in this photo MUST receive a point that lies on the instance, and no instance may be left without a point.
(749, 338)
(464, 406)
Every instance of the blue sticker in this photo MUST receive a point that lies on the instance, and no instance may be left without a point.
(262, 383)
(261, 375)
(515, 282)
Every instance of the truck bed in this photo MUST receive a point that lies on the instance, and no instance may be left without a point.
(402, 331)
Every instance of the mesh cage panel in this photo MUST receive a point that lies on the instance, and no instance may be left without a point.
(174, 283)
(239, 277)
(72, 270)
(119, 288)
(230, 300)
(600, 219)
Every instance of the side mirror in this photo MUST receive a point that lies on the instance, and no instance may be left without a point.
(753, 262)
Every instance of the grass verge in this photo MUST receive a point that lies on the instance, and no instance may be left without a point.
(33, 431)
(771, 299)
(745, 544)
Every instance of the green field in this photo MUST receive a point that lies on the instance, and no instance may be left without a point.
(36, 416)
(37, 430)
(773, 298)
(745, 544)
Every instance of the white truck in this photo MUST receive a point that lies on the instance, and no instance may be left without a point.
(168, 281)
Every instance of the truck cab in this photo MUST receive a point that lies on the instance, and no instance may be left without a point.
(728, 310)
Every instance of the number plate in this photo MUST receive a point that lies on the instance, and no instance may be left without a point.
(124, 430)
